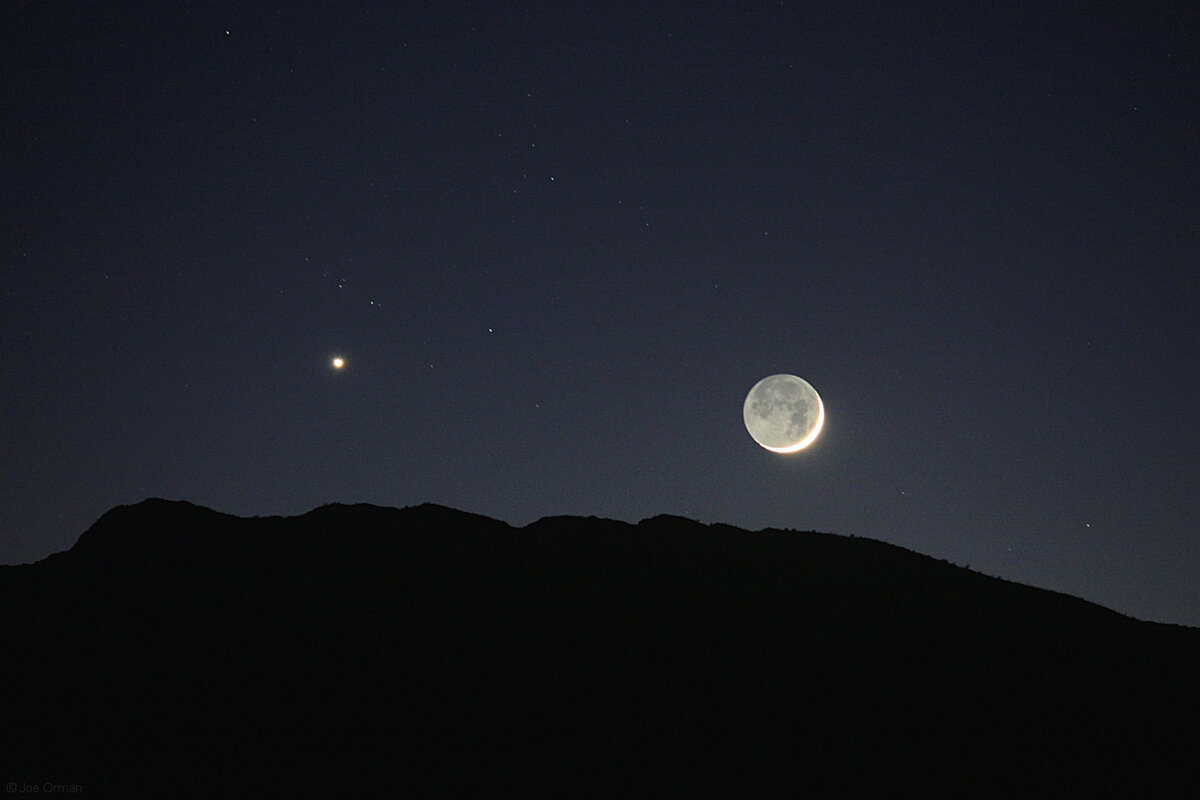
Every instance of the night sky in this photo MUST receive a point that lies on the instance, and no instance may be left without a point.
(556, 248)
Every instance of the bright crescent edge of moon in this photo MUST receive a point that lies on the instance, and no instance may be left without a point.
(807, 440)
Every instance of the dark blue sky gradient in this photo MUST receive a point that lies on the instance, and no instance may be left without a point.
(558, 247)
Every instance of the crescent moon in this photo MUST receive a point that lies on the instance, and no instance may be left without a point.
(812, 435)
(783, 413)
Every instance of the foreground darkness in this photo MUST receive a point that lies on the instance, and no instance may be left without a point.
(178, 651)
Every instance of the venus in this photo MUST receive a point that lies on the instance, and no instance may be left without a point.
(783, 413)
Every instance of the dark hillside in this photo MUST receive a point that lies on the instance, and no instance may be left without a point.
(176, 651)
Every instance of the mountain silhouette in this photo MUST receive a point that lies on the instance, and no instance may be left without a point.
(176, 651)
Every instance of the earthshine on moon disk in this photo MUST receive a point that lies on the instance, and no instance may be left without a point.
(783, 413)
